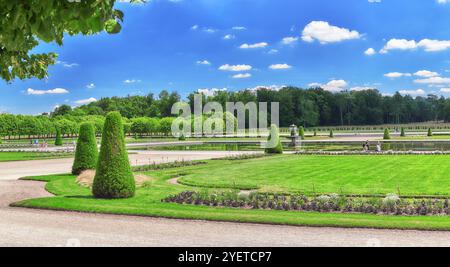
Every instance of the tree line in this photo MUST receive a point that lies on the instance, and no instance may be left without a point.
(307, 107)
(315, 107)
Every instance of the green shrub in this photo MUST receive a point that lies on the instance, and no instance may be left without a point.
(58, 140)
(113, 178)
(275, 135)
(331, 134)
(302, 132)
(86, 154)
(430, 133)
(387, 134)
(403, 134)
(182, 138)
(315, 132)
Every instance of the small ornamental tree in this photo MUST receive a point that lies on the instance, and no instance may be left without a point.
(315, 132)
(331, 134)
(402, 133)
(430, 133)
(387, 134)
(302, 133)
(274, 138)
(86, 154)
(58, 140)
(113, 178)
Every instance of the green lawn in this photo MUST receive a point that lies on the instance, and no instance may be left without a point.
(20, 156)
(412, 175)
(356, 174)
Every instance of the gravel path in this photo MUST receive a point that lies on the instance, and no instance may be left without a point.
(26, 227)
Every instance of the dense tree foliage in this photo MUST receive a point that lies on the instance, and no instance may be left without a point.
(25, 23)
(113, 178)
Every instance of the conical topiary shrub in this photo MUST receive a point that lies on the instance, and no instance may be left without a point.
(402, 133)
(315, 132)
(58, 140)
(86, 154)
(275, 137)
(430, 133)
(331, 134)
(113, 178)
(302, 133)
(387, 134)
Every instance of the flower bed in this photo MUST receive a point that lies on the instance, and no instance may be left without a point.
(163, 166)
(389, 205)
(372, 153)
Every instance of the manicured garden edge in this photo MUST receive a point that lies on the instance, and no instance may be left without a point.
(84, 203)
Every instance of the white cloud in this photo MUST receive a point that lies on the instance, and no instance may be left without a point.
(325, 33)
(370, 52)
(445, 90)
(269, 87)
(242, 76)
(394, 75)
(66, 64)
(203, 62)
(235, 68)
(426, 73)
(426, 44)
(254, 46)
(273, 51)
(229, 37)
(443, 1)
(434, 45)
(332, 86)
(211, 91)
(195, 27)
(433, 80)
(280, 66)
(131, 81)
(85, 101)
(90, 86)
(239, 28)
(209, 30)
(398, 44)
(289, 40)
(412, 92)
(374, 1)
(56, 91)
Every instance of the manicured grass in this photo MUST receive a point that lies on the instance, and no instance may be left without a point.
(20, 156)
(147, 202)
(411, 175)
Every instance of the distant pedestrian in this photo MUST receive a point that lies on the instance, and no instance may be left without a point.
(379, 147)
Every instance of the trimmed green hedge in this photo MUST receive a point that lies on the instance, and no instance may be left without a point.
(86, 154)
(58, 140)
(387, 134)
(114, 178)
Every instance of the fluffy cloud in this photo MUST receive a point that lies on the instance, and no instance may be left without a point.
(280, 66)
(66, 64)
(229, 37)
(426, 44)
(325, 33)
(242, 76)
(332, 86)
(56, 91)
(254, 46)
(85, 101)
(443, 1)
(131, 81)
(374, 1)
(394, 75)
(203, 62)
(433, 80)
(445, 90)
(361, 88)
(370, 52)
(412, 92)
(90, 86)
(235, 68)
(289, 40)
(239, 28)
(426, 73)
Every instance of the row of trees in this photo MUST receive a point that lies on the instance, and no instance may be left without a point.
(308, 107)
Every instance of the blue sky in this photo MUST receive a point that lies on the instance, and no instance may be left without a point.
(186, 45)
